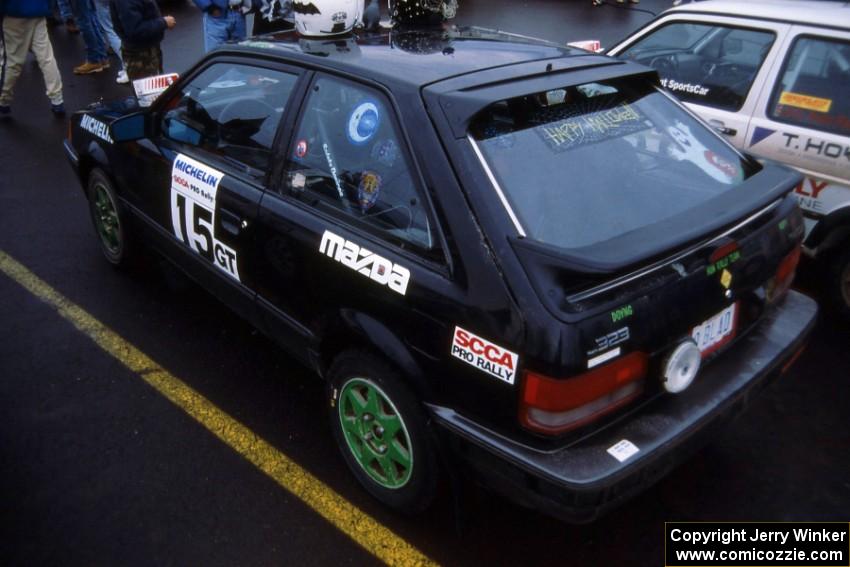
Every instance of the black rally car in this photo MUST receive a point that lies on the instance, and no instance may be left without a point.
(519, 256)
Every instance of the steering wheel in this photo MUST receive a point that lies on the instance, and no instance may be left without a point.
(244, 109)
(666, 65)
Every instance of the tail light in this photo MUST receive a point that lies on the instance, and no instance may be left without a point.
(553, 406)
(781, 281)
(70, 132)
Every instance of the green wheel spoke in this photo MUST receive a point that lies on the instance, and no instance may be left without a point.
(390, 473)
(391, 424)
(398, 453)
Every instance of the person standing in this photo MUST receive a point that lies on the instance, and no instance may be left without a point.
(96, 58)
(141, 27)
(24, 29)
(223, 20)
(104, 19)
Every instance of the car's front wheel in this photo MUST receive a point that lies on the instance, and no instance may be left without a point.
(108, 222)
(382, 432)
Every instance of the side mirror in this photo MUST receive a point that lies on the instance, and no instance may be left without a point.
(132, 127)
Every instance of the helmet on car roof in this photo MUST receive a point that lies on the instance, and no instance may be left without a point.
(317, 18)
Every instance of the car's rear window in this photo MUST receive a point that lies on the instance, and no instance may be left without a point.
(588, 163)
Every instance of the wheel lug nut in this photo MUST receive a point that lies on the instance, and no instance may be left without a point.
(368, 436)
(379, 431)
(382, 449)
(367, 417)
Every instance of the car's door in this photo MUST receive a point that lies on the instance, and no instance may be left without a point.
(716, 65)
(803, 119)
(206, 170)
(349, 226)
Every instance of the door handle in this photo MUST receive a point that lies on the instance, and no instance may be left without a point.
(719, 126)
(231, 222)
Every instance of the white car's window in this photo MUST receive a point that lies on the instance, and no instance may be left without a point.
(347, 159)
(815, 87)
(706, 64)
(230, 110)
(585, 164)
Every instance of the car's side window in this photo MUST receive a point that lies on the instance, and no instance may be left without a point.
(706, 64)
(347, 159)
(814, 87)
(230, 110)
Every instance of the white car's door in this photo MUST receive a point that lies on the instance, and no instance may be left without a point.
(716, 65)
(803, 117)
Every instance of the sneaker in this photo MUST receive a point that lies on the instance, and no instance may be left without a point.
(58, 110)
(122, 78)
(105, 64)
(5, 111)
(88, 67)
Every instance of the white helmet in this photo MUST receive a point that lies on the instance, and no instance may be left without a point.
(317, 18)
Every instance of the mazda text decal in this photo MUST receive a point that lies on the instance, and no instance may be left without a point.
(96, 127)
(362, 261)
(194, 187)
(484, 355)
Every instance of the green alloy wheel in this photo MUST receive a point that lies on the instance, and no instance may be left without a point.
(381, 429)
(375, 433)
(106, 217)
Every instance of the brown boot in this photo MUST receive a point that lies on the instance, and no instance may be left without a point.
(87, 68)
(105, 64)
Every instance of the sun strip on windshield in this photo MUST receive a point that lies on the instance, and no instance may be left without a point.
(497, 187)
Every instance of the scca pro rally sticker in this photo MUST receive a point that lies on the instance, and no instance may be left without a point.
(194, 187)
(484, 355)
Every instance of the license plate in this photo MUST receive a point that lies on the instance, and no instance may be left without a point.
(717, 331)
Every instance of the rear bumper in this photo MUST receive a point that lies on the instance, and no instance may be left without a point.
(581, 481)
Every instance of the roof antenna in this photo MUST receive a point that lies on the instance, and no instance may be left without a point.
(548, 67)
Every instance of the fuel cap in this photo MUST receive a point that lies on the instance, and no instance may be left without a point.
(681, 367)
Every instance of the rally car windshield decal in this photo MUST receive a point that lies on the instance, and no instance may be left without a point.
(586, 164)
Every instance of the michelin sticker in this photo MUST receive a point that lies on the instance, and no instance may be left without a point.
(94, 126)
(377, 268)
(194, 187)
(484, 355)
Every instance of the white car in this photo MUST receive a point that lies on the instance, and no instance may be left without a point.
(774, 78)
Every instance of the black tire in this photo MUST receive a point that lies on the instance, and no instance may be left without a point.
(838, 280)
(109, 220)
(352, 373)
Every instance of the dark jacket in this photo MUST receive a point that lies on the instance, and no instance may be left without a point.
(25, 8)
(138, 23)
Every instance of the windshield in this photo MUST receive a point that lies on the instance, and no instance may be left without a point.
(588, 163)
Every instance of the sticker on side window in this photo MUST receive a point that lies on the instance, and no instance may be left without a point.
(194, 187)
(484, 355)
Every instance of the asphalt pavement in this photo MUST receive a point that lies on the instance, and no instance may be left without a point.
(99, 467)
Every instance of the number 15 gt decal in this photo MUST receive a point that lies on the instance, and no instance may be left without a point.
(193, 192)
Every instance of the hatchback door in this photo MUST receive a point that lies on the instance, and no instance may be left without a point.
(716, 65)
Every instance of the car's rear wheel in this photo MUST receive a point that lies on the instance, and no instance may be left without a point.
(382, 432)
(108, 221)
(839, 280)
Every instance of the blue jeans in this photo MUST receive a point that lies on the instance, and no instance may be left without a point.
(65, 12)
(230, 25)
(84, 12)
(105, 21)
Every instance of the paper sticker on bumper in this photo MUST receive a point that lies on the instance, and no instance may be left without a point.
(484, 355)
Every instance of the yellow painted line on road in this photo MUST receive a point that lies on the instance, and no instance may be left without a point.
(373, 536)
